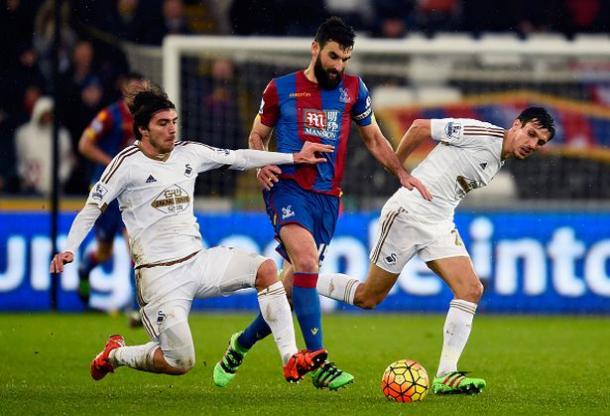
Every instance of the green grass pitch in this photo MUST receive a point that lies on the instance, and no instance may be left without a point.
(533, 366)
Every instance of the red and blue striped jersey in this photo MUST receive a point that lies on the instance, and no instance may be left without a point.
(300, 110)
(112, 131)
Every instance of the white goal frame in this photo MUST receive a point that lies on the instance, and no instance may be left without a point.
(497, 46)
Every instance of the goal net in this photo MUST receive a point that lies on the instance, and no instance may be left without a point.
(217, 84)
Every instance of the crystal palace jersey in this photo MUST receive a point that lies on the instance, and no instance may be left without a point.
(156, 198)
(112, 131)
(300, 110)
(467, 157)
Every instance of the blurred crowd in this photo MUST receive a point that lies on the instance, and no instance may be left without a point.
(91, 60)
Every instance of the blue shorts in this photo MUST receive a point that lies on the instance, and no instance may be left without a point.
(288, 203)
(109, 223)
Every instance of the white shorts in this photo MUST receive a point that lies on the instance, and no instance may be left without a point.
(400, 237)
(165, 293)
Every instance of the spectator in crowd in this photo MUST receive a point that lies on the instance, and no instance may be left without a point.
(432, 16)
(23, 73)
(16, 27)
(125, 17)
(391, 18)
(14, 112)
(536, 17)
(255, 17)
(220, 124)
(480, 16)
(356, 13)
(152, 27)
(304, 19)
(82, 97)
(44, 30)
(34, 144)
(585, 16)
(82, 90)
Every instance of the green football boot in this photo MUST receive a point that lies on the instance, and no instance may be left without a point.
(330, 377)
(226, 369)
(456, 382)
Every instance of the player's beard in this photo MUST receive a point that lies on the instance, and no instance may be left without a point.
(322, 75)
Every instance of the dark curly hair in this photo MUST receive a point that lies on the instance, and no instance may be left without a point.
(145, 105)
(335, 29)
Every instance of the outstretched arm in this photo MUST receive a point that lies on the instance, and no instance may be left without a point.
(381, 149)
(249, 159)
(78, 231)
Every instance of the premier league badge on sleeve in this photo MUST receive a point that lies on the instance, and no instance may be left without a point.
(453, 129)
(98, 192)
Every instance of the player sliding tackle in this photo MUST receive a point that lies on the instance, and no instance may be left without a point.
(154, 182)
(468, 156)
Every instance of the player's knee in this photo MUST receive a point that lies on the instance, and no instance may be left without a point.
(181, 362)
(104, 252)
(479, 290)
(473, 292)
(266, 275)
(306, 264)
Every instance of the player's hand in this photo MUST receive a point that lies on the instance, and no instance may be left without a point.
(308, 153)
(410, 182)
(57, 264)
(268, 176)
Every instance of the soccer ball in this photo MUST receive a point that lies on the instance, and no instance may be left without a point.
(405, 381)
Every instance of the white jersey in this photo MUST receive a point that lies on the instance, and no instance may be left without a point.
(467, 157)
(156, 198)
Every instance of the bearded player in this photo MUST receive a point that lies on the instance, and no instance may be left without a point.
(317, 104)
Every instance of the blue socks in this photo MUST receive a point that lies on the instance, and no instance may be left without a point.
(306, 306)
(257, 330)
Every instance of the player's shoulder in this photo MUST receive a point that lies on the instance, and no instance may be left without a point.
(186, 145)
(126, 155)
(472, 127)
(286, 77)
(189, 146)
(352, 78)
(354, 84)
(113, 108)
(122, 162)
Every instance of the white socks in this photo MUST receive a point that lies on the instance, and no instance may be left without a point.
(455, 334)
(338, 286)
(138, 356)
(276, 311)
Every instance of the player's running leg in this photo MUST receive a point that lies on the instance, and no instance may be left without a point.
(459, 274)
(241, 342)
(303, 254)
(276, 313)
